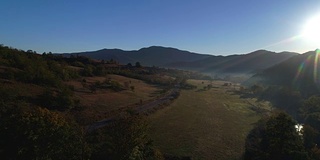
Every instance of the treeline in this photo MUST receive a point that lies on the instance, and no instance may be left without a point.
(33, 68)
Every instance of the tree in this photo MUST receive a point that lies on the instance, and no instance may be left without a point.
(256, 89)
(309, 136)
(129, 65)
(138, 64)
(311, 105)
(124, 139)
(39, 134)
(132, 88)
(60, 100)
(88, 71)
(277, 139)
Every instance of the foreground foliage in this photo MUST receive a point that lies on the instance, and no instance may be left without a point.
(38, 134)
(124, 139)
(275, 138)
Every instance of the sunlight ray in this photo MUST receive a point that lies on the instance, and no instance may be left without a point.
(291, 39)
(302, 68)
(299, 72)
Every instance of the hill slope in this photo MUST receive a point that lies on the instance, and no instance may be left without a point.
(300, 72)
(245, 64)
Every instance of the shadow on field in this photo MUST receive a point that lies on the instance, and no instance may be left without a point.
(171, 157)
(243, 95)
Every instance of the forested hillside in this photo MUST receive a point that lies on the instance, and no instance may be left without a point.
(47, 101)
(300, 72)
(293, 87)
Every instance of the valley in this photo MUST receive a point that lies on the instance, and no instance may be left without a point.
(117, 111)
(205, 124)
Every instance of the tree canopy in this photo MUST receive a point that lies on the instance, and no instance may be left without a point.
(275, 138)
(38, 134)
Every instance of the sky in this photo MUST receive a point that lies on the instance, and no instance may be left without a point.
(221, 27)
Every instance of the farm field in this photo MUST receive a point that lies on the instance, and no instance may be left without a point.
(205, 124)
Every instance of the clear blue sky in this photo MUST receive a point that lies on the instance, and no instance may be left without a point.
(202, 26)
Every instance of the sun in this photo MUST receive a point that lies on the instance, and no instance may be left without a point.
(311, 31)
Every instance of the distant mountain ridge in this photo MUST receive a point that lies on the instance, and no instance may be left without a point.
(174, 58)
(150, 56)
(247, 63)
(301, 72)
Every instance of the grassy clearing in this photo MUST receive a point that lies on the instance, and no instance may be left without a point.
(21, 89)
(100, 104)
(204, 124)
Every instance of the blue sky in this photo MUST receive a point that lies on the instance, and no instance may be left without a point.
(203, 26)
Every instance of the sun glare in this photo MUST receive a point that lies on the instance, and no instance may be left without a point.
(311, 30)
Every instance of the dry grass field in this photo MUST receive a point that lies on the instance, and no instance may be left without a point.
(205, 124)
(103, 102)
(22, 89)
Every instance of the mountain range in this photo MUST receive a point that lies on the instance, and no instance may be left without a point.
(151, 56)
(250, 63)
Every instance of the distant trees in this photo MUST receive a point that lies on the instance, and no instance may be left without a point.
(275, 138)
(281, 97)
(34, 68)
(311, 105)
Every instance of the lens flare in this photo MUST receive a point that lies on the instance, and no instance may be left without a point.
(315, 67)
(299, 72)
(311, 62)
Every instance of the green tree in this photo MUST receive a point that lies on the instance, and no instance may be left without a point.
(311, 105)
(276, 139)
(59, 100)
(88, 70)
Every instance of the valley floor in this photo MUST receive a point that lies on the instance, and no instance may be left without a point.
(205, 123)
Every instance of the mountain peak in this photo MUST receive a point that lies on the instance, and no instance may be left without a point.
(261, 51)
(158, 48)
